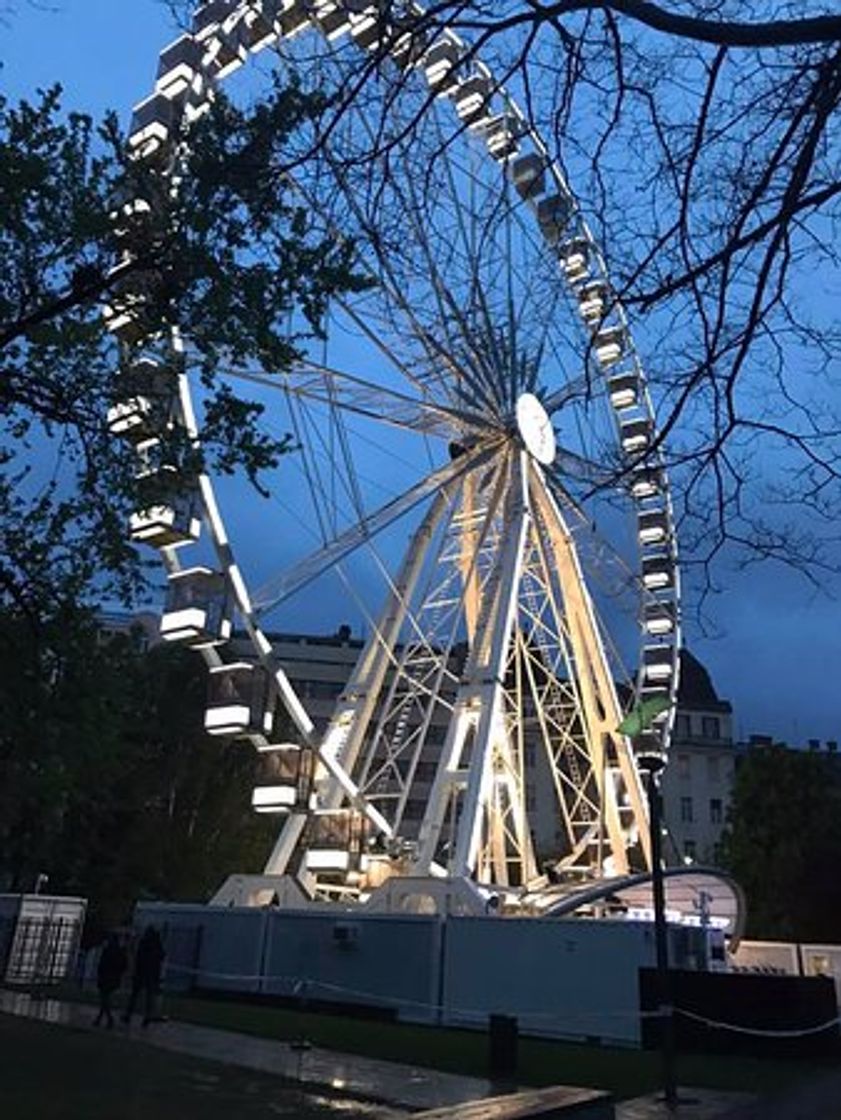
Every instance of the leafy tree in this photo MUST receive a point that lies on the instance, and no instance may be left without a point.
(782, 843)
(232, 254)
(108, 781)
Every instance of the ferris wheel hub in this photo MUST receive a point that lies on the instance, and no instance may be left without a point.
(535, 429)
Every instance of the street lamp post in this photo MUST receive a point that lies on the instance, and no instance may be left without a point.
(651, 765)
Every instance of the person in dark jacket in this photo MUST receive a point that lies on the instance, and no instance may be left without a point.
(148, 963)
(109, 974)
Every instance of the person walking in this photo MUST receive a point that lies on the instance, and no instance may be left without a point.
(109, 974)
(148, 963)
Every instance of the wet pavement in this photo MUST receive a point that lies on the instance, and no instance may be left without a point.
(693, 1104)
(404, 1086)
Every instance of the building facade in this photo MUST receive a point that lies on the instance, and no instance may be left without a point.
(698, 780)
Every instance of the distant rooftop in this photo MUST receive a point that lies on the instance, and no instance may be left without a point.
(696, 688)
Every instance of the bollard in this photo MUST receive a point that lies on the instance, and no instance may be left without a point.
(502, 1048)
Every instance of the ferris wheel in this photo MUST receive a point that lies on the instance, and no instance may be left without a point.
(477, 472)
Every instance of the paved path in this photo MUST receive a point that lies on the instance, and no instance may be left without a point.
(819, 1098)
(410, 1087)
(693, 1104)
(405, 1086)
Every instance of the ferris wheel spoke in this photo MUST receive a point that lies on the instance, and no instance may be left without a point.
(575, 389)
(341, 546)
(374, 400)
(415, 207)
(419, 379)
(489, 241)
(411, 207)
(440, 352)
(482, 229)
(327, 452)
(383, 276)
(370, 399)
(571, 466)
(505, 388)
(605, 563)
(473, 372)
(384, 280)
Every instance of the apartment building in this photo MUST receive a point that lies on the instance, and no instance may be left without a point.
(698, 779)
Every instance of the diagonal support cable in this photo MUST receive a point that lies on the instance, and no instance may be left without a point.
(365, 398)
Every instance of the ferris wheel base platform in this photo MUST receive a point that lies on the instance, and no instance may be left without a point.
(694, 897)
(283, 891)
(406, 894)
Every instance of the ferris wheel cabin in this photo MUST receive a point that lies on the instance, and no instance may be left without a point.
(240, 700)
(141, 413)
(288, 771)
(198, 608)
(172, 519)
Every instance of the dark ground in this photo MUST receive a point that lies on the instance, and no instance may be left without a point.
(58, 1073)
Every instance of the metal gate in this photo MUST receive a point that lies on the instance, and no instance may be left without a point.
(39, 943)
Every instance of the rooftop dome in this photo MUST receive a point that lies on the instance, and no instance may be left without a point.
(696, 689)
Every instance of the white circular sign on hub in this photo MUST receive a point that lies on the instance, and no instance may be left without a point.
(535, 428)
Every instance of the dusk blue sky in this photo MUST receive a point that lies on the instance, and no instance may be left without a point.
(773, 645)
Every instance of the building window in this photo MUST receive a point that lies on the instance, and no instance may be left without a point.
(715, 810)
(686, 810)
(713, 768)
(683, 728)
(689, 850)
(710, 727)
(683, 766)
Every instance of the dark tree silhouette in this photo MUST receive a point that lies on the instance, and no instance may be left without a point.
(212, 255)
(781, 843)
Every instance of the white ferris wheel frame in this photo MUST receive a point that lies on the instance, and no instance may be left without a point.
(477, 764)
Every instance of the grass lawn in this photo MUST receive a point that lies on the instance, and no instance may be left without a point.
(58, 1073)
(624, 1072)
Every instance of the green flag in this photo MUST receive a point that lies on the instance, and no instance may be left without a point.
(641, 717)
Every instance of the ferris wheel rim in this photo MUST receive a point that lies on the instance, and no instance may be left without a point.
(646, 455)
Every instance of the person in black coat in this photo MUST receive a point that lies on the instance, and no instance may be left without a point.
(109, 974)
(148, 963)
